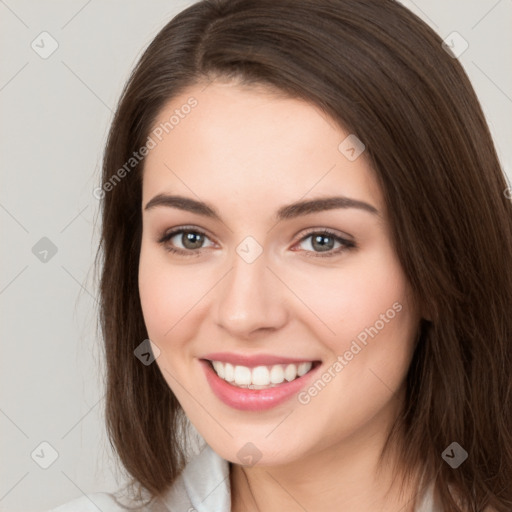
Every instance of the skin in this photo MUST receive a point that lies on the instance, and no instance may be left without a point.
(247, 152)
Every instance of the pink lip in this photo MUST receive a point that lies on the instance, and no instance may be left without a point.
(252, 360)
(253, 399)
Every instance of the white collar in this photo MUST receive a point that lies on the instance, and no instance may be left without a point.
(203, 485)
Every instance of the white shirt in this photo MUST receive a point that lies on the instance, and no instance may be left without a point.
(203, 486)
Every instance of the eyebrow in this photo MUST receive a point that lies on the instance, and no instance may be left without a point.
(286, 212)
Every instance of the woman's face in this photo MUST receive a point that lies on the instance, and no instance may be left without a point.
(258, 286)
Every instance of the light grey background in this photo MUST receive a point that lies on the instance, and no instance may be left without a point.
(55, 114)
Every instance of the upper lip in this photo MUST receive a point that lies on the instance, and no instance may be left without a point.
(255, 359)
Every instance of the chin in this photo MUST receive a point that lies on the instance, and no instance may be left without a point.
(257, 451)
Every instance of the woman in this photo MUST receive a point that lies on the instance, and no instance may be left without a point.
(304, 211)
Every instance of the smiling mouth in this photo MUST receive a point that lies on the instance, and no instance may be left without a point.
(261, 377)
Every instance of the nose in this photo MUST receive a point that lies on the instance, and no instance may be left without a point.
(250, 299)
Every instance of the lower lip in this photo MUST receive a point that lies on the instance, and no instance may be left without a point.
(253, 399)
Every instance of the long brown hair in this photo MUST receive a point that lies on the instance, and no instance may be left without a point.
(381, 73)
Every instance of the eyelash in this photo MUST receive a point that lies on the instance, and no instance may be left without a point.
(346, 244)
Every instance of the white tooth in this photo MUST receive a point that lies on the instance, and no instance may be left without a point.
(242, 375)
(219, 368)
(260, 376)
(276, 374)
(254, 386)
(229, 372)
(290, 372)
(304, 368)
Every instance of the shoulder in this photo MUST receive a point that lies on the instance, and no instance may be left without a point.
(203, 485)
(91, 503)
(108, 502)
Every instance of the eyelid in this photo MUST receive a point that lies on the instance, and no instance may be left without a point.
(174, 231)
(332, 232)
(346, 243)
(168, 234)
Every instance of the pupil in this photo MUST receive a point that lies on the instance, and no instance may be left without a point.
(195, 239)
(321, 239)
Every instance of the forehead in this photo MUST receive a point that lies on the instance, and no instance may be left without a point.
(249, 142)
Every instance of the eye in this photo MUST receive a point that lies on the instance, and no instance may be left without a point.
(191, 240)
(323, 241)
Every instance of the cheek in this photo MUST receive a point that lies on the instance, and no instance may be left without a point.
(173, 300)
(352, 297)
(370, 310)
(165, 294)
